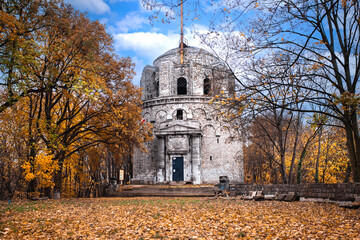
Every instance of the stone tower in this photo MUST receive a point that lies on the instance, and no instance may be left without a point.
(192, 143)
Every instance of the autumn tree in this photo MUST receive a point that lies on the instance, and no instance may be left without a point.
(20, 23)
(327, 160)
(88, 97)
(81, 97)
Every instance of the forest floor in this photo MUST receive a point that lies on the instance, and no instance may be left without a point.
(175, 218)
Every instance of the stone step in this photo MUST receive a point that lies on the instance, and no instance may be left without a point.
(164, 191)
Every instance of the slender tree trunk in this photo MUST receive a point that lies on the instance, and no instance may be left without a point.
(316, 177)
(303, 155)
(283, 170)
(301, 159)
(282, 151)
(294, 154)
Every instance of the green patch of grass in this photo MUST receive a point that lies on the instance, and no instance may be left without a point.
(26, 206)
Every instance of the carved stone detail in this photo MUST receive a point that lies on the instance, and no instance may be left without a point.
(177, 144)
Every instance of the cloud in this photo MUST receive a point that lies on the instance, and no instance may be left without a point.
(132, 21)
(146, 44)
(92, 6)
(152, 44)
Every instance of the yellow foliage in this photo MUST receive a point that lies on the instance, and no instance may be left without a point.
(42, 169)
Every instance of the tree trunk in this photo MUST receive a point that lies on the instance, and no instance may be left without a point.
(58, 179)
(302, 156)
(316, 177)
(293, 156)
(283, 170)
(353, 143)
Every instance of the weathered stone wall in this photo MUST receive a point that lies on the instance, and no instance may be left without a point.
(220, 153)
(338, 192)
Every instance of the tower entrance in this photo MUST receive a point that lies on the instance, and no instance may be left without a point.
(178, 168)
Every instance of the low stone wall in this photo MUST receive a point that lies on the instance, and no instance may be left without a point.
(337, 192)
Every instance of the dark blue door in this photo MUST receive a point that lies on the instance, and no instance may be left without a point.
(178, 169)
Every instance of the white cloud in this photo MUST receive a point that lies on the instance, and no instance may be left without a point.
(146, 44)
(93, 6)
(151, 44)
(132, 21)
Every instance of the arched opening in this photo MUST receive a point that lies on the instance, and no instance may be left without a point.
(207, 86)
(181, 86)
(179, 114)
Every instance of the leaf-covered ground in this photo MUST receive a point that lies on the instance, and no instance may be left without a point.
(175, 218)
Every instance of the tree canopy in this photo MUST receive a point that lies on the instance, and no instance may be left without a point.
(65, 96)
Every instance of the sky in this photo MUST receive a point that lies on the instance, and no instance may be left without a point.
(133, 33)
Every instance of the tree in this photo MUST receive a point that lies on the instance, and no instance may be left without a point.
(20, 24)
(74, 92)
(322, 36)
(88, 98)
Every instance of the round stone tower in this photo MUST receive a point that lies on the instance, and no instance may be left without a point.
(192, 143)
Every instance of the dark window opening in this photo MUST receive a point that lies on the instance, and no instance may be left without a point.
(179, 114)
(207, 86)
(157, 88)
(181, 86)
(210, 158)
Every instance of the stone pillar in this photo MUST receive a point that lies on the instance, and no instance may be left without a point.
(168, 168)
(196, 160)
(161, 160)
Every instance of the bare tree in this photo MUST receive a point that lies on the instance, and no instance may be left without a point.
(320, 35)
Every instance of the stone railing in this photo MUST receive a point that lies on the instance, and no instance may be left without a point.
(176, 99)
(337, 192)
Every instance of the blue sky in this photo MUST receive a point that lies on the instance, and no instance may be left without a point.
(128, 23)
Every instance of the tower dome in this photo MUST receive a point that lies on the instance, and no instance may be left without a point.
(162, 79)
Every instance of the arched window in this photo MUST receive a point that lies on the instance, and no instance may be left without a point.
(179, 115)
(181, 86)
(207, 86)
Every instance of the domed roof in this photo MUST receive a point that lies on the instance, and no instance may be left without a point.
(189, 51)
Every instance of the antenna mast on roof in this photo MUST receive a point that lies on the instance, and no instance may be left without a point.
(182, 35)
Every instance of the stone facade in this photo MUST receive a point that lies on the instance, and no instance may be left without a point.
(192, 142)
